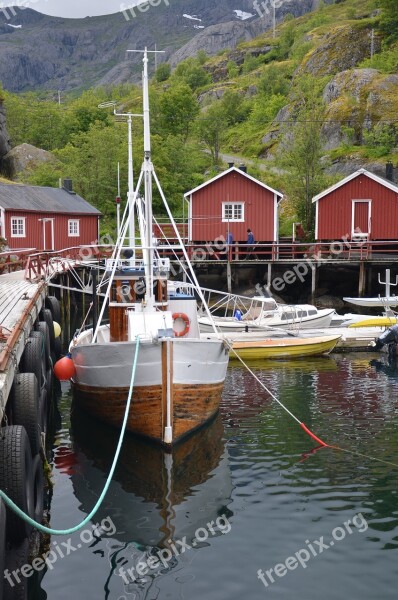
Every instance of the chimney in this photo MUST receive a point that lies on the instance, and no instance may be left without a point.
(243, 168)
(389, 171)
(68, 185)
(230, 165)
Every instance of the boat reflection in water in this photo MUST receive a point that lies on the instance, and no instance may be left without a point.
(387, 365)
(155, 496)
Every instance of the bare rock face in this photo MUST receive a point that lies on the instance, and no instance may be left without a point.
(357, 99)
(25, 158)
(328, 58)
(4, 137)
(216, 38)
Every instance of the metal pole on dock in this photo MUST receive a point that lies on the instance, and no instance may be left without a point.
(362, 279)
(94, 297)
(314, 280)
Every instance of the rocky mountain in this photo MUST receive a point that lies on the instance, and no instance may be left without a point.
(4, 137)
(42, 52)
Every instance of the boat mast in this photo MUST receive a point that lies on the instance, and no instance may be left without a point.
(130, 193)
(147, 168)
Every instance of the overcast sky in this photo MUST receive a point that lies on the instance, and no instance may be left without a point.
(72, 8)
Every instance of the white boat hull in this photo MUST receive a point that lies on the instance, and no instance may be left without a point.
(373, 302)
(192, 385)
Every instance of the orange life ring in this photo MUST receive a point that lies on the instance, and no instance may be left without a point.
(187, 322)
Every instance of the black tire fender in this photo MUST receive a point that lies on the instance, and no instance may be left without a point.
(43, 410)
(17, 557)
(52, 303)
(38, 488)
(16, 479)
(2, 545)
(32, 359)
(43, 328)
(25, 408)
(58, 348)
(48, 318)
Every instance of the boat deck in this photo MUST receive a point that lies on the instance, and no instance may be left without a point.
(20, 303)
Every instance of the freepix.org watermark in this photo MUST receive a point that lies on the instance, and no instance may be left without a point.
(141, 6)
(8, 8)
(312, 550)
(161, 558)
(59, 550)
(265, 7)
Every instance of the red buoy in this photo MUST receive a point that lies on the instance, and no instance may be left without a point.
(64, 369)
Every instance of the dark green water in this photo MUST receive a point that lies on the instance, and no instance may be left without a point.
(255, 467)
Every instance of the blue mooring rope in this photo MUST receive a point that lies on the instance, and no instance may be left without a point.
(50, 531)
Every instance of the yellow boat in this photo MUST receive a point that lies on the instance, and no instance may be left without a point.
(284, 348)
(375, 322)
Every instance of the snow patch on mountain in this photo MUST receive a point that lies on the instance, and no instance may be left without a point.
(192, 17)
(242, 15)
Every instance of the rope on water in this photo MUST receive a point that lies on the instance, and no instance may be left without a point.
(51, 531)
(302, 425)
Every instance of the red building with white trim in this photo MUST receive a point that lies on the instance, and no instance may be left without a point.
(233, 201)
(46, 218)
(362, 204)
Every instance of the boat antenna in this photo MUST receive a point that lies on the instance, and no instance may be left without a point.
(147, 170)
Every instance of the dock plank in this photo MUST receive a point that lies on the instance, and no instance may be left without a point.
(16, 297)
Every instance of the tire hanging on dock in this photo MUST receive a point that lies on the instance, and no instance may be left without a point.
(2, 545)
(16, 479)
(47, 317)
(43, 410)
(54, 306)
(25, 407)
(38, 488)
(32, 360)
(17, 557)
(43, 328)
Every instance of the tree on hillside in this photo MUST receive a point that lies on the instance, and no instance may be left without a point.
(300, 155)
(389, 19)
(178, 108)
(163, 72)
(212, 128)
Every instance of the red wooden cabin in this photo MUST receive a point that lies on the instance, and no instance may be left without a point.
(46, 218)
(362, 205)
(232, 201)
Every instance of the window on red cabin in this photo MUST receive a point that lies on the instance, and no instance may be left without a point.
(73, 228)
(233, 211)
(18, 227)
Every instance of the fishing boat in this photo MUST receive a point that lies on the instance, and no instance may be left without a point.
(260, 313)
(179, 376)
(293, 347)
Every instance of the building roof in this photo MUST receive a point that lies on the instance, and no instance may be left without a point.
(43, 199)
(243, 173)
(388, 184)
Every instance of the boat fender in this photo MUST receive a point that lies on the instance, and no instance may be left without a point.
(187, 323)
(64, 368)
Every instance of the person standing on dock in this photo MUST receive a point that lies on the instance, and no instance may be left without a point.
(250, 244)
(229, 243)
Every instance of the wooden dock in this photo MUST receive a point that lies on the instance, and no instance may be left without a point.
(20, 304)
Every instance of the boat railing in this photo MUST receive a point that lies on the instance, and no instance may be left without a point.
(137, 264)
(227, 304)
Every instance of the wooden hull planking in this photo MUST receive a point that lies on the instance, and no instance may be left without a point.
(192, 407)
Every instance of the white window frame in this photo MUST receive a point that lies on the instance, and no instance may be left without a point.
(23, 221)
(76, 225)
(233, 219)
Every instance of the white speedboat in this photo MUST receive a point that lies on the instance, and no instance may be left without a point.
(375, 302)
(179, 376)
(262, 314)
